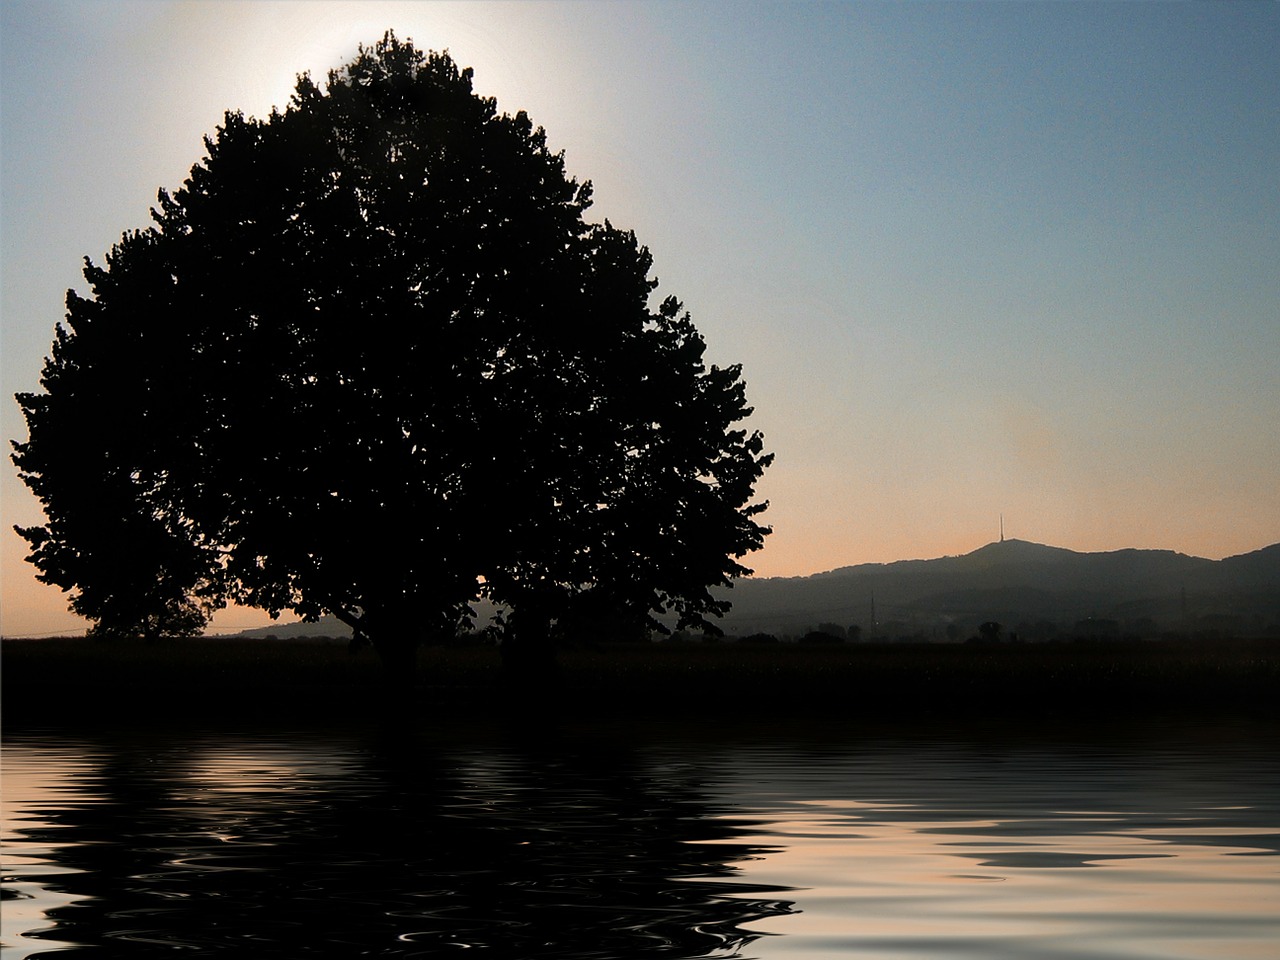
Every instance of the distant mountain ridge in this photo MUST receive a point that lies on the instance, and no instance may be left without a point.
(1040, 588)
(1012, 582)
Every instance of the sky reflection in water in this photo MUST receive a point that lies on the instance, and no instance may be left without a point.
(654, 842)
(1164, 849)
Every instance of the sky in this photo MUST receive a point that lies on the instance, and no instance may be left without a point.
(976, 260)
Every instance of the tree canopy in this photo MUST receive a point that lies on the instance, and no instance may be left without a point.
(372, 360)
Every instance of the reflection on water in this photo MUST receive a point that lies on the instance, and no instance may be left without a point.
(1161, 846)
(645, 842)
(393, 846)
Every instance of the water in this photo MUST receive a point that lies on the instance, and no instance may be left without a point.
(822, 842)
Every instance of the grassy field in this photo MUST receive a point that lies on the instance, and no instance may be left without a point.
(60, 679)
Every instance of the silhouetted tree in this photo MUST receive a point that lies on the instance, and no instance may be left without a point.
(371, 360)
(135, 576)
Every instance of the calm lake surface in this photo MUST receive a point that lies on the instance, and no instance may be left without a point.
(1127, 840)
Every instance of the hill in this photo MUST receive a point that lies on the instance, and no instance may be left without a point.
(1040, 588)
(1036, 590)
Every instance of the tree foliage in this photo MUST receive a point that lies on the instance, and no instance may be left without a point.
(372, 360)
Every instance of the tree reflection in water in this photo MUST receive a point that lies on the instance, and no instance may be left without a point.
(396, 846)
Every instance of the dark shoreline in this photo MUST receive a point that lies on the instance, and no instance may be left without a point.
(77, 681)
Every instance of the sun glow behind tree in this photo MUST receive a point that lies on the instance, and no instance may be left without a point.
(372, 361)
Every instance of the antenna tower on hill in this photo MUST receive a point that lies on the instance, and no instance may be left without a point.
(1002, 528)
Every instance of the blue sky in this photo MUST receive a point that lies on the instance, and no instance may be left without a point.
(974, 258)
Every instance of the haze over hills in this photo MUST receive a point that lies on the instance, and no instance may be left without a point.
(1035, 590)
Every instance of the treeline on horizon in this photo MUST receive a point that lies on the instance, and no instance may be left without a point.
(1208, 628)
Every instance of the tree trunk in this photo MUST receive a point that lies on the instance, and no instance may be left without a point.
(396, 641)
(399, 655)
(528, 652)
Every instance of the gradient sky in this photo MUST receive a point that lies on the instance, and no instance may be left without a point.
(975, 259)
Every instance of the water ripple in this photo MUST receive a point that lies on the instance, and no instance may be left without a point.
(651, 844)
